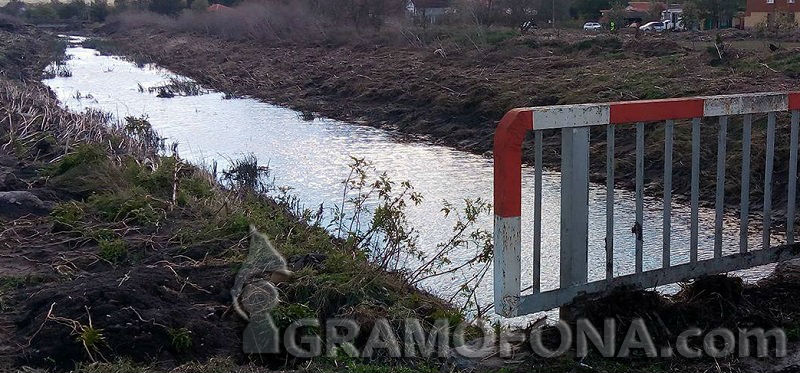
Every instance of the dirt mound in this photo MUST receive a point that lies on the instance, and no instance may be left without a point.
(707, 303)
(22, 55)
(596, 45)
(652, 47)
(144, 314)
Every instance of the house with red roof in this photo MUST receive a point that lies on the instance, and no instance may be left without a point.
(217, 8)
(767, 11)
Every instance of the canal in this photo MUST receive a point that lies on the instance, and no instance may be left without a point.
(312, 157)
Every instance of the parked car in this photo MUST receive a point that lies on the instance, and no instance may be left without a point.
(592, 26)
(653, 26)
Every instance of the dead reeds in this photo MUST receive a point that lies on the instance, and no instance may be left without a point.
(33, 121)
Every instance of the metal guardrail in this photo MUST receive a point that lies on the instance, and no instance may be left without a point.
(575, 121)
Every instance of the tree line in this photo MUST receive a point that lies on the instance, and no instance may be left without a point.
(375, 13)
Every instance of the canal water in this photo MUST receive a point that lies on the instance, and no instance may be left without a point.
(312, 158)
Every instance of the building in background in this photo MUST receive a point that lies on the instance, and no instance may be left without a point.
(673, 14)
(429, 10)
(217, 8)
(638, 12)
(768, 11)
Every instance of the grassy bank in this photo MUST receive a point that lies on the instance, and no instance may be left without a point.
(120, 256)
(451, 87)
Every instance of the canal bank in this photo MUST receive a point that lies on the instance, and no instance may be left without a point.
(456, 99)
(70, 267)
(309, 159)
(117, 257)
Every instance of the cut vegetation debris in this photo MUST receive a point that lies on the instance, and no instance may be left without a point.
(176, 87)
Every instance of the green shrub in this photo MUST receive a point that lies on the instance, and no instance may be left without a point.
(194, 186)
(42, 13)
(494, 37)
(786, 62)
(157, 182)
(453, 317)
(237, 223)
(114, 251)
(104, 46)
(285, 314)
(68, 213)
(181, 339)
(167, 7)
(91, 337)
(135, 205)
(199, 5)
(85, 171)
(83, 155)
(140, 128)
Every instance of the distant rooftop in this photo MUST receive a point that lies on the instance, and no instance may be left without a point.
(431, 3)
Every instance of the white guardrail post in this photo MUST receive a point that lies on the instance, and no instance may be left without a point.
(508, 209)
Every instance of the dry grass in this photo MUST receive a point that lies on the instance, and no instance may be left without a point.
(268, 22)
(32, 120)
(299, 23)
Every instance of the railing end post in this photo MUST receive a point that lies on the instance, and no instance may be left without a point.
(508, 140)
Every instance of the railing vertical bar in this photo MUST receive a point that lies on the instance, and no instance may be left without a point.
(744, 208)
(574, 206)
(695, 198)
(792, 200)
(768, 178)
(720, 193)
(609, 201)
(667, 222)
(537, 215)
(638, 227)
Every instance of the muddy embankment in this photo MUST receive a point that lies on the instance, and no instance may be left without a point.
(456, 96)
(118, 256)
(116, 259)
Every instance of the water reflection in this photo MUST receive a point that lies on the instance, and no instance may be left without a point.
(312, 157)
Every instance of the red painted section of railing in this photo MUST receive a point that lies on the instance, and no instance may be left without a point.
(575, 121)
(655, 110)
(794, 100)
(508, 161)
(516, 123)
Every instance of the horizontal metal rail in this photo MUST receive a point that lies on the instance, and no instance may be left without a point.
(683, 272)
(575, 121)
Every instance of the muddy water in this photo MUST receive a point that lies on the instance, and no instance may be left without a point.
(312, 158)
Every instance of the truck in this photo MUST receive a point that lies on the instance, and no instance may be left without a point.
(672, 18)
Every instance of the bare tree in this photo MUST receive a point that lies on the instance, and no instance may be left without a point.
(655, 10)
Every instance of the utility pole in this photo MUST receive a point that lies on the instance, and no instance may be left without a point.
(553, 20)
